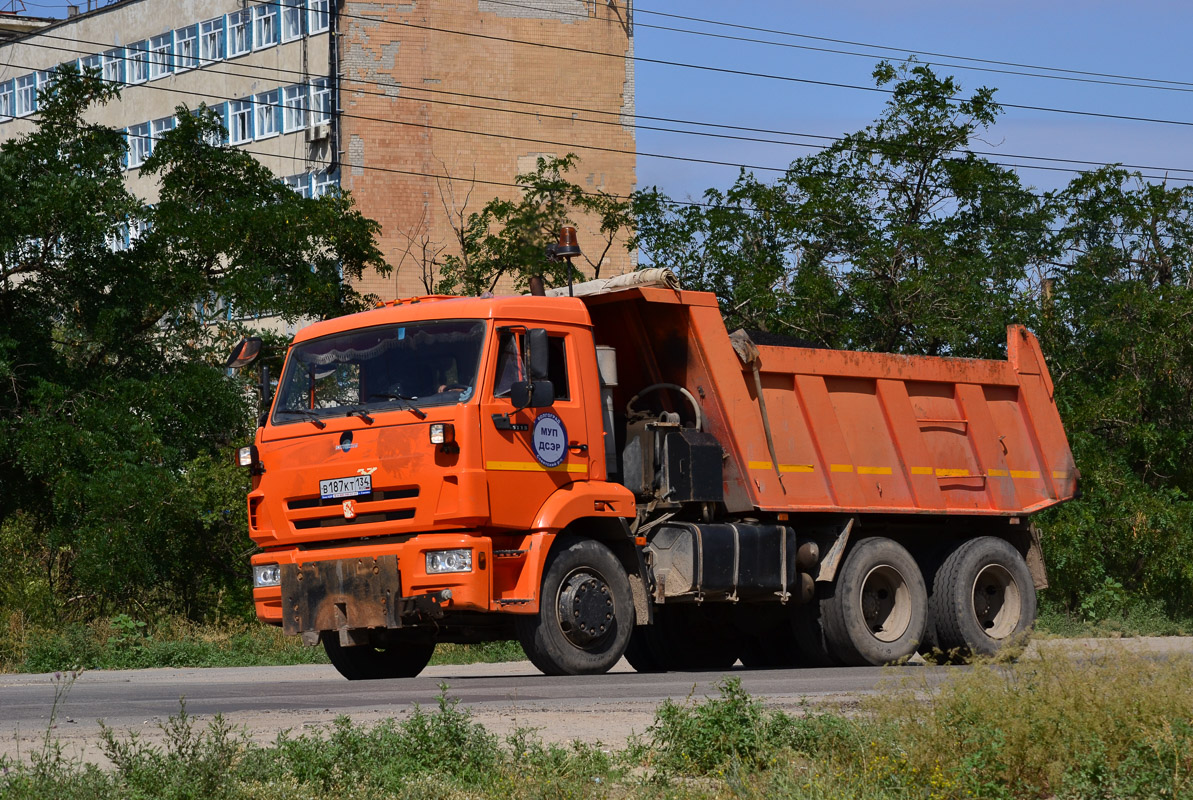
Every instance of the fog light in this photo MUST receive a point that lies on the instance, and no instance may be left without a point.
(442, 433)
(449, 561)
(267, 575)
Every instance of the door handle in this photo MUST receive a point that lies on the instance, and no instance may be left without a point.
(576, 447)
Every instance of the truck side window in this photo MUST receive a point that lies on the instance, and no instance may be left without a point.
(509, 365)
(557, 367)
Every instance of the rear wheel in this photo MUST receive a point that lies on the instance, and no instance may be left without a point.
(586, 612)
(878, 610)
(983, 597)
(402, 654)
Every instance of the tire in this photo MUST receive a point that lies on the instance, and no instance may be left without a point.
(877, 611)
(643, 650)
(586, 612)
(401, 656)
(808, 631)
(983, 597)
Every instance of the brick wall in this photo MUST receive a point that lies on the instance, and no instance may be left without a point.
(400, 65)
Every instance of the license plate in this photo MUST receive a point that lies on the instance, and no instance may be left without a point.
(334, 488)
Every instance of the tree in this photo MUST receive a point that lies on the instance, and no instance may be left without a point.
(116, 419)
(1117, 330)
(509, 238)
(895, 238)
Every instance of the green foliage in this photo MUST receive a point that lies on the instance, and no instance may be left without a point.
(509, 238)
(895, 238)
(117, 422)
(1116, 726)
(702, 738)
(1117, 333)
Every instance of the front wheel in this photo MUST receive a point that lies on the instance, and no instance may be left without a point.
(399, 655)
(586, 612)
(878, 610)
(983, 597)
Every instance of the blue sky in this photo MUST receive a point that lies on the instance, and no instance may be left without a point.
(1145, 38)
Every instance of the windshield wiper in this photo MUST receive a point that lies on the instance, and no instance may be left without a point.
(305, 413)
(403, 401)
(359, 411)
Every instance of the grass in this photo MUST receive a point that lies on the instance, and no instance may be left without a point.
(1113, 727)
(1137, 618)
(126, 643)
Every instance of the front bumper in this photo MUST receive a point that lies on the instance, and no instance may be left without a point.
(372, 585)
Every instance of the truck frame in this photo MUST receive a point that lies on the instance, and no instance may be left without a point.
(615, 474)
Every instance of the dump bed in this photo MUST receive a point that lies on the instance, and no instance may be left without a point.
(852, 432)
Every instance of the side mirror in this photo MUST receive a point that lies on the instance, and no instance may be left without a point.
(532, 394)
(536, 355)
(244, 353)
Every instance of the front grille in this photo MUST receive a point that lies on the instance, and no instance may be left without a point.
(359, 519)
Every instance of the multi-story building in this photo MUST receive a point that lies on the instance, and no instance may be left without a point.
(423, 110)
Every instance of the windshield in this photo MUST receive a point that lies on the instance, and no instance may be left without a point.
(390, 366)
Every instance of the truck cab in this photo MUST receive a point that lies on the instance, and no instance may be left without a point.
(416, 463)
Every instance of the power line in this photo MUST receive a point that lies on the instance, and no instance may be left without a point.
(744, 73)
(1107, 81)
(474, 180)
(639, 10)
(737, 72)
(712, 162)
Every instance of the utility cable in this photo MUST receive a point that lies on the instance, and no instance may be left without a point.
(281, 71)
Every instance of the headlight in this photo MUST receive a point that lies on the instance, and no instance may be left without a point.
(449, 561)
(267, 575)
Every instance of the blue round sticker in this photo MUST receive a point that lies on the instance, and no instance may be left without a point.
(549, 440)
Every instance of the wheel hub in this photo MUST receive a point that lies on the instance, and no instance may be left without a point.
(886, 603)
(585, 609)
(996, 601)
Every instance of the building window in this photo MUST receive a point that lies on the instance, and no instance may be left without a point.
(240, 33)
(138, 62)
(94, 63)
(114, 66)
(294, 108)
(240, 121)
(326, 182)
(139, 145)
(317, 18)
(7, 100)
(218, 137)
(211, 40)
(186, 47)
(300, 184)
(159, 128)
(268, 123)
(118, 238)
(320, 101)
(291, 19)
(265, 25)
(161, 55)
(26, 95)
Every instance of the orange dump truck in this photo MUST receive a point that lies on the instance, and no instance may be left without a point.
(615, 474)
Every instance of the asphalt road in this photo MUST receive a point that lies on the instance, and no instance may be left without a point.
(268, 700)
(264, 701)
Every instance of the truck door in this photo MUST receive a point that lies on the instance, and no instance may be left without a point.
(531, 452)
